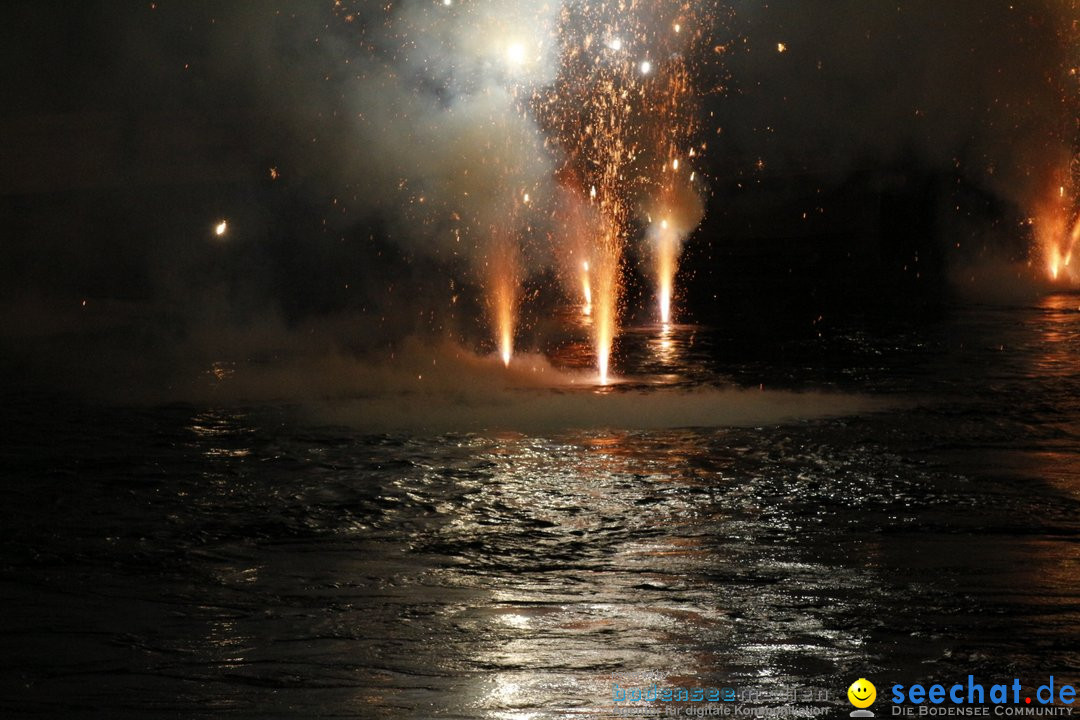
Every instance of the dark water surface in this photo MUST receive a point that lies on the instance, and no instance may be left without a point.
(188, 561)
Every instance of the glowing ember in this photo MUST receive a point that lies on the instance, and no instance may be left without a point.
(221, 228)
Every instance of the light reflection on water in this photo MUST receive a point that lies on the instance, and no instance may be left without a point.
(216, 563)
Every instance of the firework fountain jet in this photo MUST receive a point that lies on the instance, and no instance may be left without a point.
(671, 105)
(606, 309)
(1057, 229)
(666, 249)
(503, 288)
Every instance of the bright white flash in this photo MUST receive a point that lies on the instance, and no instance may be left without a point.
(646, 67)
(515, 54)
(615, 44)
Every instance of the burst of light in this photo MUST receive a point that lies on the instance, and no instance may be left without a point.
(515, 54)
(646, 67)
(615, 44)
(781, 47)
(221, 228)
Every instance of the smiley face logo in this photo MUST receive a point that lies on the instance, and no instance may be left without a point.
(862, 693)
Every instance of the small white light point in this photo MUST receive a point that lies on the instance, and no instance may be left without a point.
(221, 228)
(646, 67)
(615, 44)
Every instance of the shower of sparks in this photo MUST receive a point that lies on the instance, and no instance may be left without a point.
(607, 86)
(672, 105)
(623, 123)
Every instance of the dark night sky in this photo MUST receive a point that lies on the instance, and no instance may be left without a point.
(129, 129)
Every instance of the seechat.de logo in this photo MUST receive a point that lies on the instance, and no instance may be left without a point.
(862, 694)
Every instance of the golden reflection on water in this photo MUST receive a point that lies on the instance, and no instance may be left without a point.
(1058, 363)
(640, 611)
(663, 345)
(1059, 336)
(212, 427)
